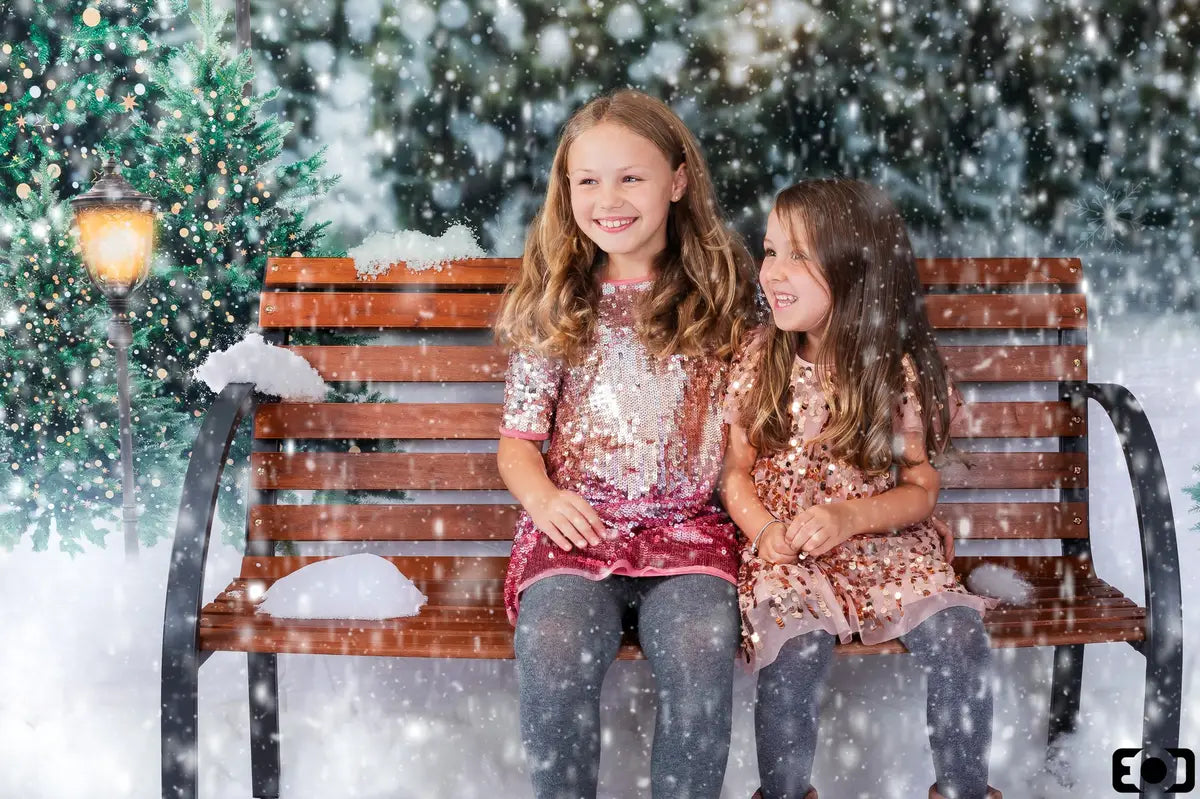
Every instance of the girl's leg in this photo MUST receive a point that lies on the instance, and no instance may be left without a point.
(689, 629)
(568, 632)
(787, 714)
(952, 648)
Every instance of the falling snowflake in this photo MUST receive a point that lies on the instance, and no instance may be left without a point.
(1109, 215)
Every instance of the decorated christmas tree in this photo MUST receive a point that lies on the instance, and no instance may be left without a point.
(178, 120)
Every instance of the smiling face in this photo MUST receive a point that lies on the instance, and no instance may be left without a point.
(793, 281)
(622, 187)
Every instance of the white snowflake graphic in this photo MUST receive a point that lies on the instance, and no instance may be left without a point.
(1109, 215)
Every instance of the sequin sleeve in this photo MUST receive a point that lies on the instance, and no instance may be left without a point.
(743, 371)
(907, 419)
(530, 394)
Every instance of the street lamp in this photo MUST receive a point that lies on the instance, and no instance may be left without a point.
(116, 233)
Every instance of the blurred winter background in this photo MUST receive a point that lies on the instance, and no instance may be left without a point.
(1001, 127)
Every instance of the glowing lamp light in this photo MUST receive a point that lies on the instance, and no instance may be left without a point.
(116, 233)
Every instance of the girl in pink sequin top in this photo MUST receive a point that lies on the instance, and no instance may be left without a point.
(835, 411)
(631, 298)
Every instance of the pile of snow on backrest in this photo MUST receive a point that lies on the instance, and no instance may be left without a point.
(273, 370)
(418, 251)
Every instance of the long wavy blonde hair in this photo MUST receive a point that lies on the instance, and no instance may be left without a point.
(703, 297)
(877, 317)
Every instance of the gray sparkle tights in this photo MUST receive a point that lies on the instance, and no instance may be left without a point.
(951, 647)
(567, 635)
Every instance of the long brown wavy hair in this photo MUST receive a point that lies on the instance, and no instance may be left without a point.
(876, 318)
(703, 297)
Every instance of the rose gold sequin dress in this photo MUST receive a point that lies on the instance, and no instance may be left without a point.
(640, 439)
(878, 586)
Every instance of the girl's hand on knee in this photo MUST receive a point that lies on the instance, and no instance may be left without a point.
(773, 546)
(819, 529)
(566, 519)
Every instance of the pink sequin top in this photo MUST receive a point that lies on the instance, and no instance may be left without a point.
(640, 439)
(876, 586)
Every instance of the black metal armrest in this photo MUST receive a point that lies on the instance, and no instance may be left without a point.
(1156, 521)
(185, 578)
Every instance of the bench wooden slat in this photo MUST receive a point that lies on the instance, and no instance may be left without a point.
(470, 364)
(383, 522)
(1000, 272)
(1132, 630)
(294, 309)
(290, 309)
(232, 605)
(242, 595)
(478, 471)
(361, 420)
(423, 569)
(498, 646)
(1016, 470)
(472, 273)
(969, 520)
(1004, 364)
(418, 568)
(376, 471)
(286, 272)
(477, 421)
(1006, 311)
(1006, 520)
(419, 364)
(452, 621)
(400, 642)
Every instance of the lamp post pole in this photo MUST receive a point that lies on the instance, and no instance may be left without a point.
(120, 335)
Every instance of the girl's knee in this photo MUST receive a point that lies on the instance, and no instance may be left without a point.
(803, 660)
(967, 630)
(692, 615)
(956, 633)
(695, 644)
(811, 647)
(552, 636)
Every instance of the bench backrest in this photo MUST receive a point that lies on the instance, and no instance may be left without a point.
(1012, 331)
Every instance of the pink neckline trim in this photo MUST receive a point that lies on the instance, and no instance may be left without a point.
(628, 280)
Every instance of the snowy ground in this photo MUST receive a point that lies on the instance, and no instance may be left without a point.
(79, 707)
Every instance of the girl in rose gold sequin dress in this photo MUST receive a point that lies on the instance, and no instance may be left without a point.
(631, 298)
(835, 412)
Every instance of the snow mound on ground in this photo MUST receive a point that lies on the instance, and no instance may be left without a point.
(362, 586)
(418, 251)
(1000, 582)
(273, 370)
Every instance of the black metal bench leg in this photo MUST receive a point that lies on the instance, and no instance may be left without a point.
(263, 677)
(180, 720)
(1065, 688)
(1162, 708)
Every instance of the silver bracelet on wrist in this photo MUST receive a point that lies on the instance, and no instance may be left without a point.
(763, 529)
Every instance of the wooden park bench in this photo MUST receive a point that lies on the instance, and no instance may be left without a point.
(1007, 327)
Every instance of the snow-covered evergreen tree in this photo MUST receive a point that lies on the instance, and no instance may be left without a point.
(1001, 126)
